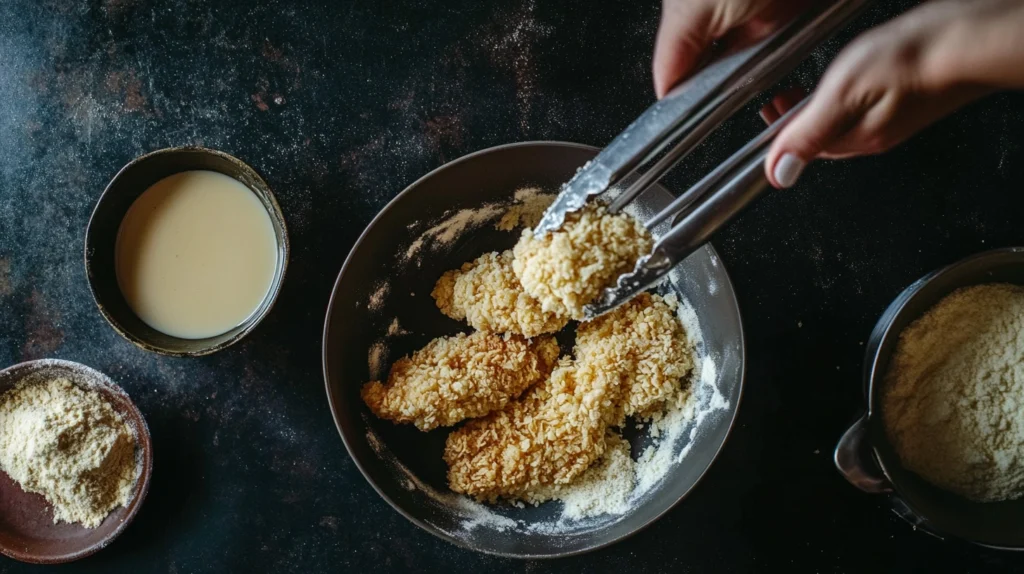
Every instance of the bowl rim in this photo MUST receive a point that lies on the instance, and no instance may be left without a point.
(266, 305)
(333, 401)
(874, 379)
(145, 445)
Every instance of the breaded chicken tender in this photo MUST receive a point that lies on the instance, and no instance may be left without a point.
(487, 294)
(460, 377)
(628, 362)
(643, 342)
(567, 269)
(548, 437)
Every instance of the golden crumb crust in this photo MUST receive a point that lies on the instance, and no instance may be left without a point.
(460, 377)
(550, 436)
(628, 362)
(567, 269)
(643, 341)
(487, 294)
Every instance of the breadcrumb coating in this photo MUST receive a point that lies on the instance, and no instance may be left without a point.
(628, 362)
(567, 269)
(548, 437)
(487, 294)
(460, 377)
(645, 343)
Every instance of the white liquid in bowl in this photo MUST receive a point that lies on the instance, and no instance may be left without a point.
(196, 254)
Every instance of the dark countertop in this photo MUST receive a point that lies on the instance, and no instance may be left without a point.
(342, 104)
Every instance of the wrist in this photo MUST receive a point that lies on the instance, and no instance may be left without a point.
(978, 44)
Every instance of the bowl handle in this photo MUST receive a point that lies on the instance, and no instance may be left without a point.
(854, 459)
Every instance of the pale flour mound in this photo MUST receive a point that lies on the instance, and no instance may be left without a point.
(954, 399)
(604, 488)
(68, 444)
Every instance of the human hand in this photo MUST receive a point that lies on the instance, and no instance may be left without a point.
(900, 77)
(881, 89)
(688, 27)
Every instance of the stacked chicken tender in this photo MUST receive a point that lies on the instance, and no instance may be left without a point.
(537, 422)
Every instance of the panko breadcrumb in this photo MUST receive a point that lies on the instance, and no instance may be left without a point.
(567, 269)
(628, 362)
(644, 341)
(460, 377)
(487, 294)
(548, 437)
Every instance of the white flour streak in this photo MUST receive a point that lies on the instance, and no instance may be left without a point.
(378, 297)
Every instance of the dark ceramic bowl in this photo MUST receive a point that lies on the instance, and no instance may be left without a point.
(27, 530)
(101, 238)
(864, 454)
(381, 309)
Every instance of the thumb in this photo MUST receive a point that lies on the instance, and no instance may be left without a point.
(683, 36)
(810, 133)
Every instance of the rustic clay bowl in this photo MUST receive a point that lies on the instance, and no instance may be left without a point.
(27, 530)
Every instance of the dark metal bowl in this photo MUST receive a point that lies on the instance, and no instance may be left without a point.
(101, 238)
(374, 288)
(864, 454)
(27, 530)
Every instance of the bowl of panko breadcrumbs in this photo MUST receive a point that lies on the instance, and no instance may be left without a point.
(474, 399)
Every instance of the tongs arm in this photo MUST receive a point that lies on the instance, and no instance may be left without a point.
(696, 107)
(699, 213)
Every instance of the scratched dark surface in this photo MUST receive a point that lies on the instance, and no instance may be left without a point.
(340, 105)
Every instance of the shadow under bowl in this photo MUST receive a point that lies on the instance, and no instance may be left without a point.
(105, 222)
(27, 530)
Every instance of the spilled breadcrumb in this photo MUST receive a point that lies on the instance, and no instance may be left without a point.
(567, 269)
(548, 437)
(487, 295)
(460, 377)
(645, 342)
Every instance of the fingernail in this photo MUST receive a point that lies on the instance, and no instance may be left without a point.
(788, 169)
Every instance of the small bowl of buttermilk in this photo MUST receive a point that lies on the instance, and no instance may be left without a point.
(186, 251)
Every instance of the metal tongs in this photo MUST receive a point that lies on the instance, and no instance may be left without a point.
(687, 115)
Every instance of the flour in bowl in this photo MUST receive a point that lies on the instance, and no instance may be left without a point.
(954, 398)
